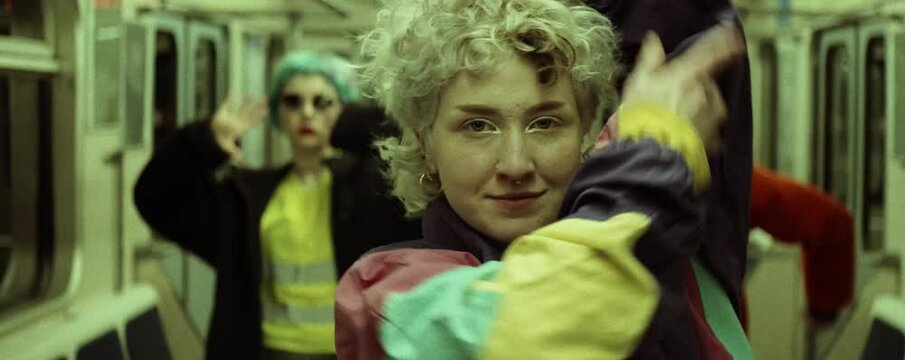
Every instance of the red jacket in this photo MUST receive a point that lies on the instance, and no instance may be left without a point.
(798, 213)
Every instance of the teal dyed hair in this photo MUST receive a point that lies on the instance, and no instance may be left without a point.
(336, 70)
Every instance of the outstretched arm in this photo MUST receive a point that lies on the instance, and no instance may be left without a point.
(179, 195)
(798, 213)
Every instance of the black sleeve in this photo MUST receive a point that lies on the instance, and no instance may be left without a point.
(358, 127)
(178, 195)
(647, 178)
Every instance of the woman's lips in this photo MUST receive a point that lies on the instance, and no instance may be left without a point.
(306, 131)
(516, 201)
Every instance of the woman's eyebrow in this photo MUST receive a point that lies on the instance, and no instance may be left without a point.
(477, 109)
(486, 110)
(545, 106)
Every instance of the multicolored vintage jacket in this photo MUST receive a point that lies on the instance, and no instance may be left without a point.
(604, 282)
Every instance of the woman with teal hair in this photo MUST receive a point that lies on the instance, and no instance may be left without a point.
(278, 238)
(334, 70)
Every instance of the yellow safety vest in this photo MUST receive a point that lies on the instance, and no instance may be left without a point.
(299, 274)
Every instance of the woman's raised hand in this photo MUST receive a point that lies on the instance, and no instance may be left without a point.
(686, 85)
(232, 120)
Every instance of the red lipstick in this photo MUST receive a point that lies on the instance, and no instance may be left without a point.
(306, 131)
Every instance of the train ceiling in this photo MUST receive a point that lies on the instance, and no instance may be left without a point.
(315, 15)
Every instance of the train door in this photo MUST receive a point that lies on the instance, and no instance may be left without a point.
(835, 143)
(881, 130)
(856, 93)
(856, 110)
(883, 135)
(875, 44)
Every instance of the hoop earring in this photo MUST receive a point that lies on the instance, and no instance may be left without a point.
(425, 176)
(429, 184)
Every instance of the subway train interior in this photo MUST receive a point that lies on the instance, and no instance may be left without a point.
(89, 89)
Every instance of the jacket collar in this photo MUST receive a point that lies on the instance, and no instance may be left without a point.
(444, 228)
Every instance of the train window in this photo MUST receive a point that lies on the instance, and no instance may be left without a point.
(107, 81)
(21, 18)
(275, 50)
(769, 108)
(205, 79)
(165, 86)
(836, 145)
(26, 205)
(875, 144)
(136, 53)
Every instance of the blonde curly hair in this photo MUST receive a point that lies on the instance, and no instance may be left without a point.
(418, 46)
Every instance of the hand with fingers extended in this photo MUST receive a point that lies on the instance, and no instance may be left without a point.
(232, 120)
(686, 85)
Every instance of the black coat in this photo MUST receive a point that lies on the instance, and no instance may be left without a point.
(188, 195)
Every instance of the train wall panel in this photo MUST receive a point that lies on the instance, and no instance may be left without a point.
(794, 128)
(100, 242)
(898, 125)
(895, 164)
(895, 212)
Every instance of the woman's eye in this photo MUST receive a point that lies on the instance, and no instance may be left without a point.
(479, 126)
(543, 123)
(322, 102)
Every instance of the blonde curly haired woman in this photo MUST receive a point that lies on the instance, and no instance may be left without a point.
(534, 247)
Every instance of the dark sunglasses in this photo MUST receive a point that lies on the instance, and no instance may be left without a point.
(294, 102)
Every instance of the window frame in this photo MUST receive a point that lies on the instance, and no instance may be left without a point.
(108, 87)
(864, 123)
(26, 60)
(199, 32)
(175, 27)
(138, 103)
(830, 40)
(885, 31)
(57, 63)
(23, 276)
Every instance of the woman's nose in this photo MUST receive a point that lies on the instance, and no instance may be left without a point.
(308, 110)
(515, 161)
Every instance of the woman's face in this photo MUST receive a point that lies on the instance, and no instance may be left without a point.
(309, 108)
(506, 147)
